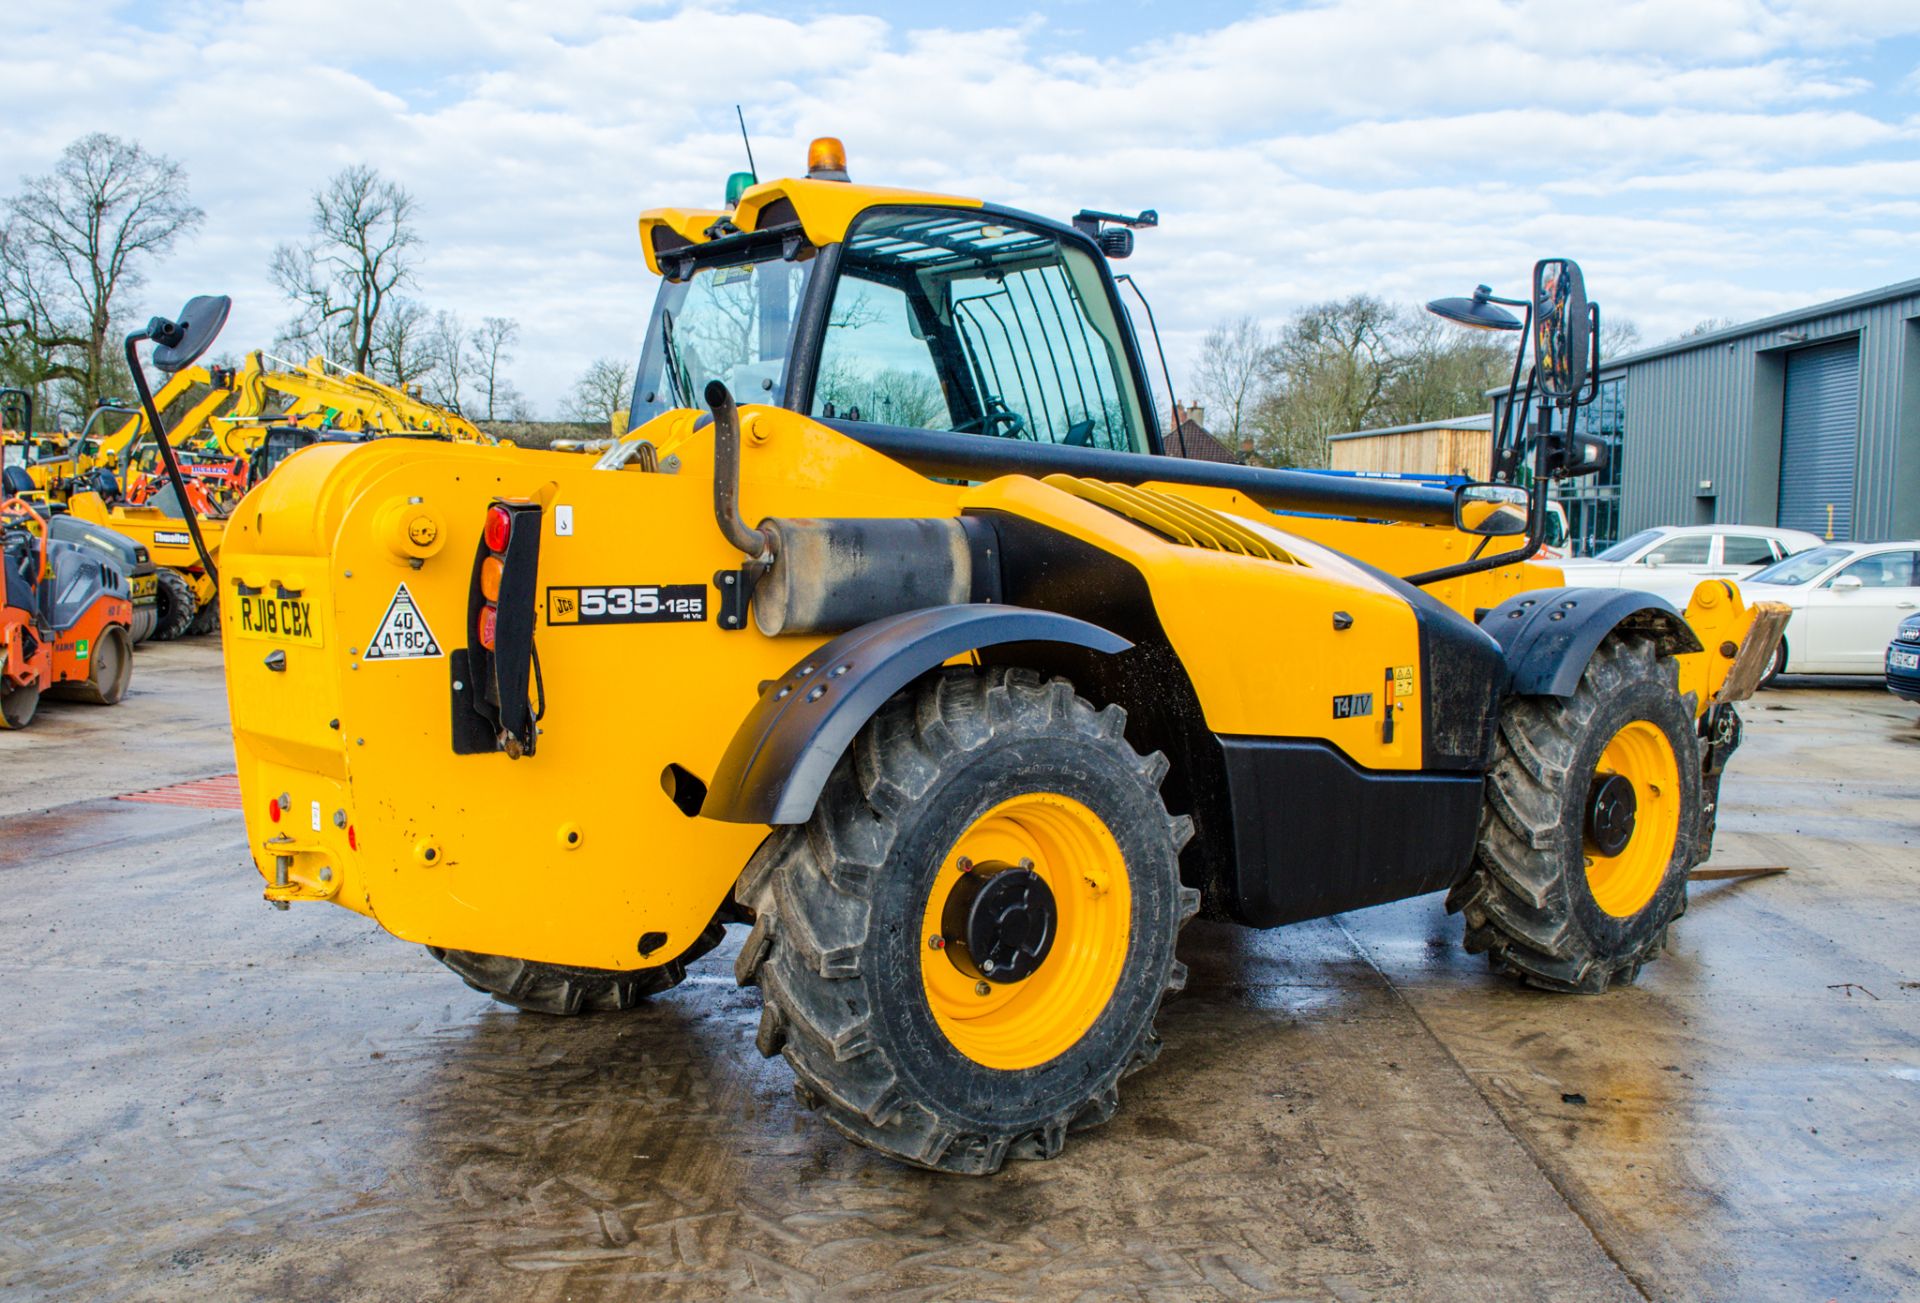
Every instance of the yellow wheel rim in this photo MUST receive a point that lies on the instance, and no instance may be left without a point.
(1622, 884)
(1027, 1023)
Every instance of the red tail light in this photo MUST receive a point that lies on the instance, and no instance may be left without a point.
(489, 618)
(273, 809)
(499, 528)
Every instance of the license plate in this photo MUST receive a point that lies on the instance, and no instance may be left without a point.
(277, 619)
(145, 588)
(1903, 660)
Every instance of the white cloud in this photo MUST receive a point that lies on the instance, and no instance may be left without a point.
(1703, 159)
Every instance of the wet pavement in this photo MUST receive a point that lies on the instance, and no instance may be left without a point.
(200, 1098)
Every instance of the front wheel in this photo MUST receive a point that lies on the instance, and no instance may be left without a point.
(1591, 825)
(963, 951)
(18, 704)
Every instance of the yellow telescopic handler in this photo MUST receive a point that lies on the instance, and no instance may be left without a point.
(888, 633)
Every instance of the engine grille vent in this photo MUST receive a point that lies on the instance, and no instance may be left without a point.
(1173, 518)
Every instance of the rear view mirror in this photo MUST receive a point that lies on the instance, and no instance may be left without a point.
(1656, 558)
(1845, 583)
(1562, 327)
(180, 342)
(1494, 510)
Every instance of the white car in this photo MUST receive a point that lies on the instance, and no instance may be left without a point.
(1847, 599)
(1685, 554)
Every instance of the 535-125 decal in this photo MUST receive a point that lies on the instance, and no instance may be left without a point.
(627, 604)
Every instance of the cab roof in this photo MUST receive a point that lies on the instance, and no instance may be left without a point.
(822, 209)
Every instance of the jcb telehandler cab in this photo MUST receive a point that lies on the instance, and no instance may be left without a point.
(927, 665)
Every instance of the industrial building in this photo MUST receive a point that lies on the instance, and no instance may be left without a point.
(1809, 419)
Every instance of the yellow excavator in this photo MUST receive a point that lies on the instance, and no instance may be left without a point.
(931, 670)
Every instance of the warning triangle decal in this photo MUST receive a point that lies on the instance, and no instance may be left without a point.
(403, 634)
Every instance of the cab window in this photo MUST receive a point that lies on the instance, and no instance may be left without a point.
(967, 322)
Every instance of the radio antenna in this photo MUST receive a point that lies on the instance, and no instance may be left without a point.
(745, 140)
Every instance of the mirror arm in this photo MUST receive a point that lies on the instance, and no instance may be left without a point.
(1500, 440)
(166, 449)
(1536, 531)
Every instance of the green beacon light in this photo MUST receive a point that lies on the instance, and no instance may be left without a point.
(736, 186)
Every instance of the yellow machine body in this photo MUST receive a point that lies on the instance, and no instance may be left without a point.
(352, 794)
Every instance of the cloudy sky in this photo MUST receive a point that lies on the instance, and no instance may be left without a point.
(1723, 158)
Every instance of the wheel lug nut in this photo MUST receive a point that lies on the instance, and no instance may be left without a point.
(1026, 864)
(981, 988)
(964, 864)
(936, 943)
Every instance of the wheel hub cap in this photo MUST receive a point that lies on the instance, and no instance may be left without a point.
(1611, 806)
(1000, 922)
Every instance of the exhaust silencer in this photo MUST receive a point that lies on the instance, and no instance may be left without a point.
(829, 576)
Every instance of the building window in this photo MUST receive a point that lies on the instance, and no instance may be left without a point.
(1592, 503)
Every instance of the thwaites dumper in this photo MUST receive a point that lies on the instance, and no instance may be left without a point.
(926, 666)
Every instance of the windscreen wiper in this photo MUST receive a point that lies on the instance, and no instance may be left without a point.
(676, 388)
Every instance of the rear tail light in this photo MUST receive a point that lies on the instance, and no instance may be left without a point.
(502, 612)
(499, 527)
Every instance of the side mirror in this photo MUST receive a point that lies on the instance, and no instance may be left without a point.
(1845, 584)
(1655, 559)
(1493, 510)
(1562, 327)
(179, 343)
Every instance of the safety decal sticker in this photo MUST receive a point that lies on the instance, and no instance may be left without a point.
(1353, 706)
(403, 634)
(627, 604)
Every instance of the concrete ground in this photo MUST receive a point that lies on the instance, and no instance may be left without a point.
(200, 1098)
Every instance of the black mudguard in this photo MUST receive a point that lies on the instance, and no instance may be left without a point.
(1548, 635)
(781, 755)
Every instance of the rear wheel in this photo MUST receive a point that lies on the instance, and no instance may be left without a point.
(108, 673)
(175, 606)
(207, 619)
(1591, 825)
(963, 951)
(1776, 664)
(535, 987)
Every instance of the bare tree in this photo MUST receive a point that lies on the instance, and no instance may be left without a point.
(346, 274)
(452, 361)
(1618, 335)
(1706, 327)
(404, 350)
(1235, 362)
(79, 238)
(602, 389)
(490, 342)
(1440, 371)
